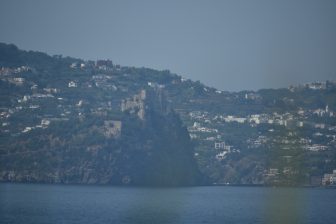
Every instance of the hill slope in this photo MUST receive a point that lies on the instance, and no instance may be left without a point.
(87, 122)
(58, 126)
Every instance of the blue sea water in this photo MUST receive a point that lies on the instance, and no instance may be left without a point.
(44, 204)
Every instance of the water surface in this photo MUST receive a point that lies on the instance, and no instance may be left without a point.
(49, 204)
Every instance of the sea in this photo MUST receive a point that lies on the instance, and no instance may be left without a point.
(83, 204)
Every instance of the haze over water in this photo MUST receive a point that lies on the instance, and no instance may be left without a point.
(49, 204)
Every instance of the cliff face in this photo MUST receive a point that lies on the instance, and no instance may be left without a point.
(148, 148)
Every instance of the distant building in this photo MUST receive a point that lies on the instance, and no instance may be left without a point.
(18, 80)
(329, 178)
(27, 129)
(300, 124)
(221, 155)
(316, 147)
(234, 119)
(252, 96)
(137, 103)
(112, 128)
(104, 63)
(80, 103)
(34, 87)
(222, 145)
(320, 126)
(273, 172)
(51, 90)
(45, 123)
(72, 84)
(73, 65)
(317, 85)
(156, 85)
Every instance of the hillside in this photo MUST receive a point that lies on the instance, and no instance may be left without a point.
(73, 121)
(64, 125)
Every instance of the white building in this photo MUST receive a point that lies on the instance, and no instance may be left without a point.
(45, 123)
(72, 84)
(221, 155)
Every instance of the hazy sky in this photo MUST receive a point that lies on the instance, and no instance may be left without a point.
(230, 45)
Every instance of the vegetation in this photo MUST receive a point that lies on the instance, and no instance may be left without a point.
(59, 123)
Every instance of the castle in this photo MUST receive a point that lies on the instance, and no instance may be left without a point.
(139, 102)
(135, 104)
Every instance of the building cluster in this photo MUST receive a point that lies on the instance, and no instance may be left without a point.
(44, 124)
(329, 179)
(286, 119)
(155, 85)
(252, 96)
(14, 75)
(197, 127)
(212, 130)
(104, 81)
(103, 65)
(312, 86)
(37, 99)
(64, 105)
(317, 85)
(224, 150)
(274, 130)
(5, 71)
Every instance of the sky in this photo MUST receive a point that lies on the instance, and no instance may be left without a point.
(230, 45)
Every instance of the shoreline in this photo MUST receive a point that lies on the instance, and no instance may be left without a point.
(170, 186)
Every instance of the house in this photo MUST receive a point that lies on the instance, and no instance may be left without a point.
(155, 85)
(221, 155)
(39, 95)
(193, 136)
(72, 84)
(319, 112)
(316, 147)
(329, 178)
(317, 85)
(80, 103)
(73, 65)
(273, 172)
(222, 145)
(252, 96)
(34, 87)
(234, 119)
(320, 126)
(25, 98)
(104, 63)
(18, 81)
(210, 138)
(34, 106)
(51, 90)
(27, 129)
(300, 124)
(45, 123)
